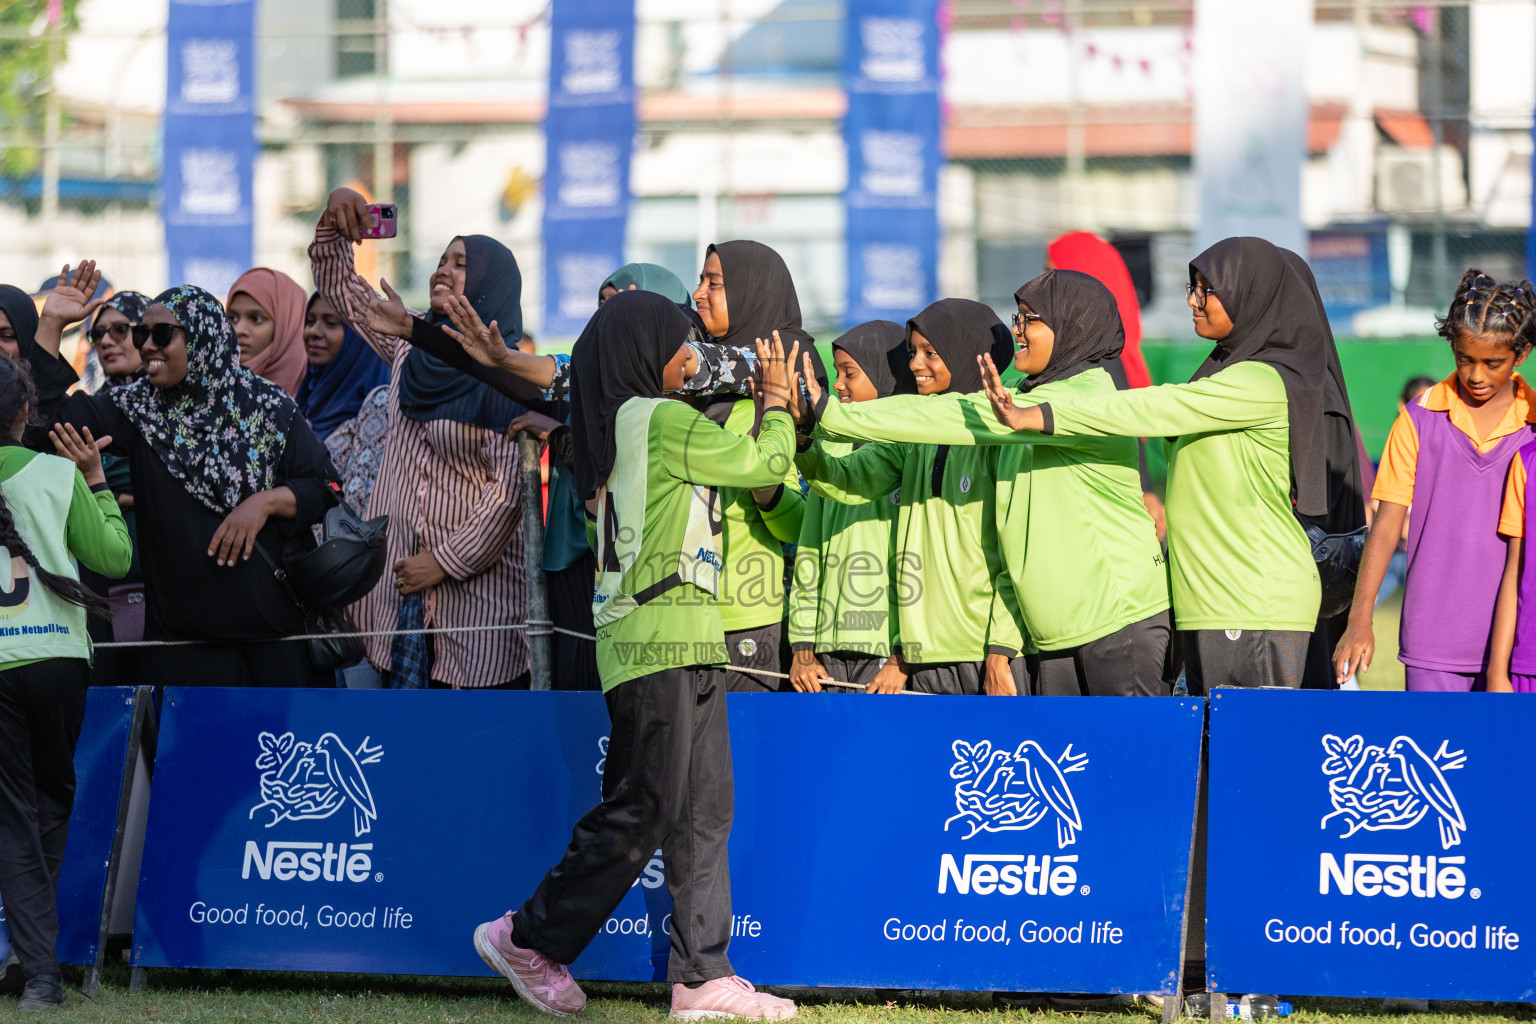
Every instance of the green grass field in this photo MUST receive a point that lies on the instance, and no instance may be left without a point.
(1386, 671)
(214, 997)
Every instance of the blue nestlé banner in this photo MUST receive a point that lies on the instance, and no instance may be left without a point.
(897, 843)
(891, 75)
(99, 757)
(589, 133)
(1371, 844)
(210, 142)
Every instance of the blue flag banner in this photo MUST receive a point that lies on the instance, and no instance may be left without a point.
(891, 75)
(1365, 844)
(589, 132)
(210, 142)
(890, 843)
(99, 758)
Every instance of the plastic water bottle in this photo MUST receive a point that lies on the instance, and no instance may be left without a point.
(1257, 1007)
(1244, 1008)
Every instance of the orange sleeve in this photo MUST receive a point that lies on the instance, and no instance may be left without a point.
(1512, 520)
(1399, 461)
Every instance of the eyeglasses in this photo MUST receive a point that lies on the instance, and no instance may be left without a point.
(119, 332)
(1023, 320)
(162, 333)
(1200, 292)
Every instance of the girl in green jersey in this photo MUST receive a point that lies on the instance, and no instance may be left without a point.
(653, 465)
(745, 294)
(1247, 453)
(1083, 560)
(959, 626)
(843, 599)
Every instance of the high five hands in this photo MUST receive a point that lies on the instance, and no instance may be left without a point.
(1014, 417)
(483, 342)
(775, 381)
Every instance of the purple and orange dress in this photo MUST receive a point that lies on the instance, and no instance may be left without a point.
(1454, 482)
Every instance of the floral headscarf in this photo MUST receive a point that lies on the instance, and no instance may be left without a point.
(222, 430)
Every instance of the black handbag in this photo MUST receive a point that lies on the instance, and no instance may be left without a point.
(327, 649)
(346, 564)
(1338, 566)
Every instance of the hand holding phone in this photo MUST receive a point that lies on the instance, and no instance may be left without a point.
(380, 222)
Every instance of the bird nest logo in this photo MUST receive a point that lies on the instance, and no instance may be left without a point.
(303, 781)
(1391, 788)
(1003, 791)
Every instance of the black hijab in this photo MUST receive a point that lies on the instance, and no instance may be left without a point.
(1276, 320)
(760, 299)
(760, 295)
(22, 312)
(880, 349)
(430, 389)
(1346, 489)
(1085, 318)
(620, 355)
(960, 330)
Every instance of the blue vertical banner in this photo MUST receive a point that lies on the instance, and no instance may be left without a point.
(589, 130)
(210, 141)
(891, 75)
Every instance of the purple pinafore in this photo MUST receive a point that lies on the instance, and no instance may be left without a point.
(1522, 660)
(1457, 497)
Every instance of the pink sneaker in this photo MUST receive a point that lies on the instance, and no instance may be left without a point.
(728, 997)
(543, 984)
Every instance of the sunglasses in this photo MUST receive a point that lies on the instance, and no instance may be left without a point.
(119, 332)
(162, 333)
(1022, 320)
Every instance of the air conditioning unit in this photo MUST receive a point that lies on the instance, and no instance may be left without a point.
(1405, 180)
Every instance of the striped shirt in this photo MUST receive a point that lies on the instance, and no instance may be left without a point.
(449, 488)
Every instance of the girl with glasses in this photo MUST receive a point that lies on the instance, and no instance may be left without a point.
(1083, 564)
(1247, 433)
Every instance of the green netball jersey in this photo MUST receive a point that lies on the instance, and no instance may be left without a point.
(1238, 557)
(1081, 551)
(947, 563)
(842, 597)
(658, 536)
(752, 543)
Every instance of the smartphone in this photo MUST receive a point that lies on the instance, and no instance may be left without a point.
(381, 221)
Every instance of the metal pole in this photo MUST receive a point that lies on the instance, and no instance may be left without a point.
(141, 740)
(1075, 179)
(51, 149)
(1438, 258)
(539, 624)
(383, 132)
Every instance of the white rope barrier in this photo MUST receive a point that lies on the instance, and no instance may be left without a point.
(535, 627)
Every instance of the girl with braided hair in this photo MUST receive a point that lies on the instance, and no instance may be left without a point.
(56, 514)
(1448, 457)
